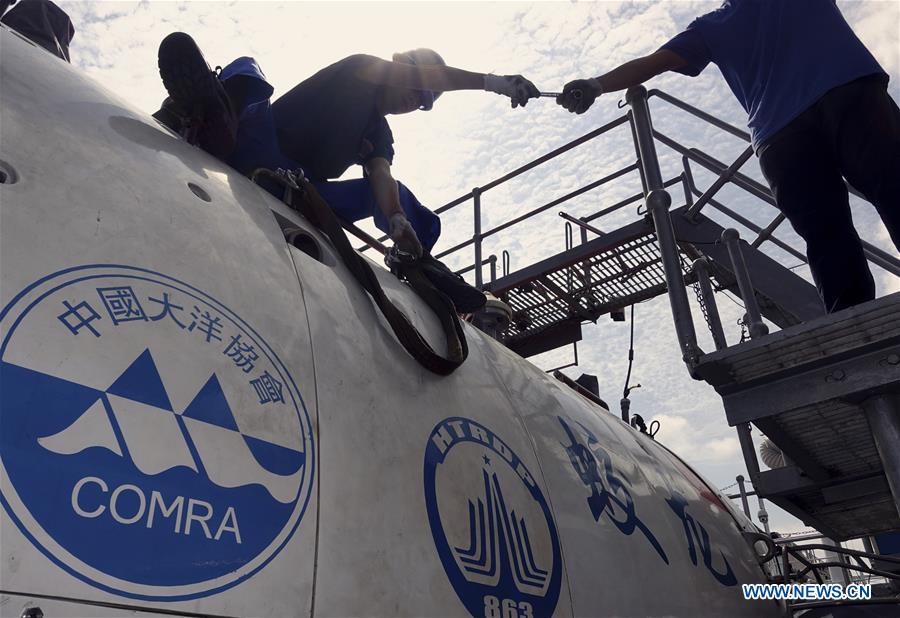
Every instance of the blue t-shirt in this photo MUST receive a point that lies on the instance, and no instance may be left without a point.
(324, 125)
(778, 56)
(330, 120)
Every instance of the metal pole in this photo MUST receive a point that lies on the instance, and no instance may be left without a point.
(637, 152)
(724, 177)
(732, 240)
(658, 202)
(587, 226)
(476, 237)
(700, 267)
(749, 452)
(744, 503)
(582, 224)
(869, 546)
(837, 574)
(767, 232)
(699, 113)
(883, 414)
(763, 515)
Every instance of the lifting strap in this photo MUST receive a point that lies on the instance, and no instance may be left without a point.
(303, 197)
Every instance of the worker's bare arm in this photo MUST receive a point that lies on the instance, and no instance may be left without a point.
(428, 77)
(640, 70)
(578, 95)
(387, 197)
(384, 187)
(440, 78)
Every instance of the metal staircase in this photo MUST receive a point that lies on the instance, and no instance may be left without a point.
(550, 299)
(826, 393)
(825, 389)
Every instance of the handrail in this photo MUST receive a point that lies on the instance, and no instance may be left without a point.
(796, 552)
(528, 166)
(499, 228)
(542, 159)
(699, 113)
(689, 179)
(714, 165)
(723, 178)
(727, 174)
(874, 254)
(658, 202)
(654, 196)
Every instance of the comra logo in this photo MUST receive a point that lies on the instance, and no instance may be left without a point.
(492, 527)
(153, 444)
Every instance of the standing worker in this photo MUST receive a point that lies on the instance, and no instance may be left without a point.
(818, 112)
(327, 123)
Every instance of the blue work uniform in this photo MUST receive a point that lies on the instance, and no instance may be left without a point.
(777, 57)
(818, 112)
(324, 125)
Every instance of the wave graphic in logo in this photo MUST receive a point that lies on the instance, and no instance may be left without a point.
(153, 444)
(207, 428)
(491, 524)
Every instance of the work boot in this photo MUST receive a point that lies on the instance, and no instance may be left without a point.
(197, 96)
(171, 115)
(465, 298)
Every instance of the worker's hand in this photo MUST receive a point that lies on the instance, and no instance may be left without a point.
(403, 235)
(516, 87)
(577, 96)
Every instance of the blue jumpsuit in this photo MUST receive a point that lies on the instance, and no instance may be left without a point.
(327, 124)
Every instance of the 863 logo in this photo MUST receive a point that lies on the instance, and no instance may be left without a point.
(491, 524)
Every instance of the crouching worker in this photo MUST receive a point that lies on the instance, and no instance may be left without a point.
(324, 125)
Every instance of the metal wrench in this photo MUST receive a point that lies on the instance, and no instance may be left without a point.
(575, 93)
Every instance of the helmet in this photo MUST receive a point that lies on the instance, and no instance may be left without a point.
(423, 57)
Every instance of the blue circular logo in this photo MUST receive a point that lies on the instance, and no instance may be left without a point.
(153, 443)
(491, 525)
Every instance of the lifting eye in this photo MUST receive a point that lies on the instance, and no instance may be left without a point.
(199, 192)
(307, 245)
(8, 174)
(305, 242)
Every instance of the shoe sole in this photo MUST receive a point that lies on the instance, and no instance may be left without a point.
(186, 75)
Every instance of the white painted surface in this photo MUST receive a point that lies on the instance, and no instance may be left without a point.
(102, 184)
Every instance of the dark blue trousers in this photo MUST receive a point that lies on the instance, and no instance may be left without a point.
(353, 200)
(852, 132)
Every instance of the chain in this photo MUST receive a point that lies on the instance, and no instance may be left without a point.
(788, 535)
(703, 308)
(745, 334)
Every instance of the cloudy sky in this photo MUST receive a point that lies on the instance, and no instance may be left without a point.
(473, 137)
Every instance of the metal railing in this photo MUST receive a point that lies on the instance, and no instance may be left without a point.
(854, 561)
(658, 202)
(475, 195)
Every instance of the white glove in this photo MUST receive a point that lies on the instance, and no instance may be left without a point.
(516, 87)
(403, 235)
